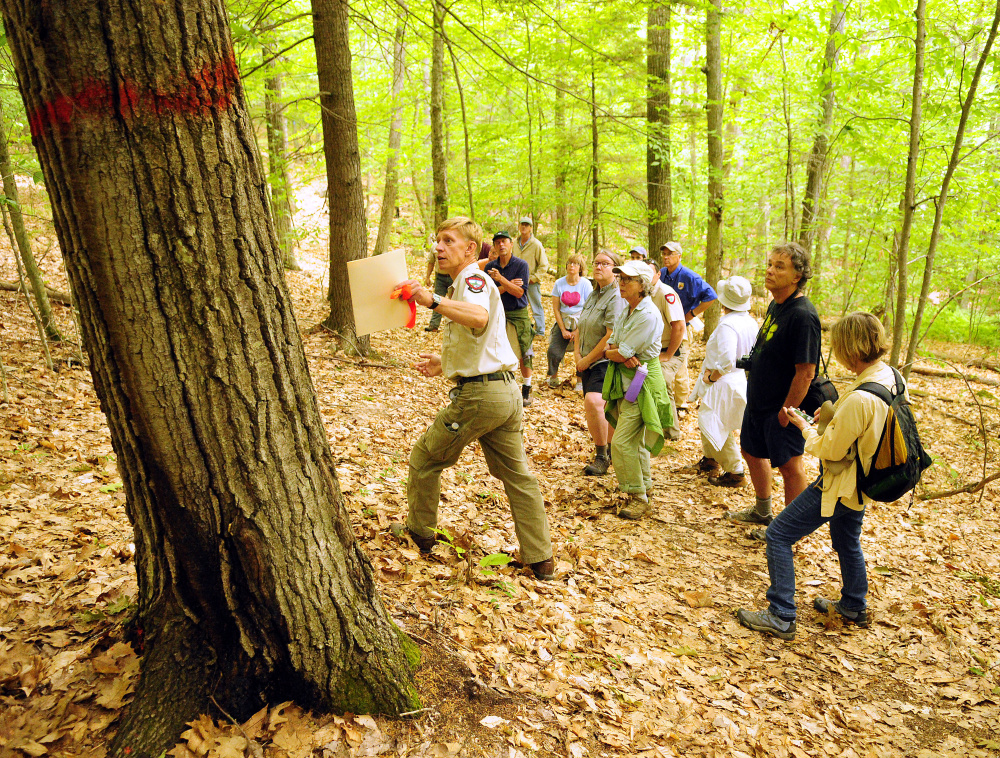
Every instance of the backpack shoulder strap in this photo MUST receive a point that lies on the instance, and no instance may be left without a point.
(878, 390)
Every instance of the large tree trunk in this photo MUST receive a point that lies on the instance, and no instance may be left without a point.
(909, 189)
(251, 582)
(821, 144)
(391, 188)
(956, 156)
(713, 72)
(348, 237)
(465, 130)
(277, 162)
(659, 198)
(23, 243)
(439, 156)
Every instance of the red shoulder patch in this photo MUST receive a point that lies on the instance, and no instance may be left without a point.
(475, 282)
(671, 298)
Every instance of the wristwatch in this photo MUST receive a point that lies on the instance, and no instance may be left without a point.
(437, 301)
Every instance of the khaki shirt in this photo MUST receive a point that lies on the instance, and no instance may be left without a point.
(533, 254)
(668, 303)
(471, 352)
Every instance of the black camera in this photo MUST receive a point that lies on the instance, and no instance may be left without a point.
(745, 363)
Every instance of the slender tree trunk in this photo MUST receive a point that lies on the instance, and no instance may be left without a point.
(439, 158)
(391, 188)
(816, 170)
(845, 258)
(252, 585)
(692, 208)
(465, 131)
(277, 162)
(789, 163)
(713, 72)
(909, 190)
(561, 171)
(348, 238)
(596, 188)
(419, 135)
(956, 156)
(659, 197)
(31, 270)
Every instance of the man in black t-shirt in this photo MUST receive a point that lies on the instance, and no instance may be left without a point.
(783, 365)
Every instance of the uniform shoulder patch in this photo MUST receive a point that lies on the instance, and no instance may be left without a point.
(475, 282)
(671, 298)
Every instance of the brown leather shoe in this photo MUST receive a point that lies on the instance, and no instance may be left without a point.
(544, 570)
(728, 479)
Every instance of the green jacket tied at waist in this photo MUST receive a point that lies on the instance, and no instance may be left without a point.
(654, 402)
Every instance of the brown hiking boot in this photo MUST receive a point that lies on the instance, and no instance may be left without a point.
(599, 466)
(749, 516)
(728, 479)
(704, 466)
(637, 507)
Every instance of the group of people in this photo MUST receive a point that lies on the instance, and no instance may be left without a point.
(628, 330)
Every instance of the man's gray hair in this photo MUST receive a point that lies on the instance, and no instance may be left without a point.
(800, 260)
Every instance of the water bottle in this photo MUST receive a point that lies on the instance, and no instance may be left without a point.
(632, 393)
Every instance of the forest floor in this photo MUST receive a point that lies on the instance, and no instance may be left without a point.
(633, 650)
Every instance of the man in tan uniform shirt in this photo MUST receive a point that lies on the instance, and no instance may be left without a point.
(530, 250)
(485, 403)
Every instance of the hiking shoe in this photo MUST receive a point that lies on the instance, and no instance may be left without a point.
(430, 328)
(554, 382)
(525, 395)
(705, 465)
(637, 507)
(728, 479)
(599, 466)
(766, 622)
(758, 534)
(858, 618)
(424, 544)
(544, 570)
(749, 516)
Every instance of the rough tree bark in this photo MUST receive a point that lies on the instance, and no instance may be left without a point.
(561, 174)
(942, 199)
(909, 190)
(439, 157)
(816, 169)
(31, 270)
(348, 237)
(716, 170)
(251, 583)
(277, 162)
(659, 198)
(391, 188)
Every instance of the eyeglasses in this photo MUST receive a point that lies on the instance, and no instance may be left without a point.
(603, 264)
(623, 278)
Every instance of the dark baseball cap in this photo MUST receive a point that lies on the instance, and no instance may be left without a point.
(500, 234)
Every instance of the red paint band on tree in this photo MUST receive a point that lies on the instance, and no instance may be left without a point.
(209, 90)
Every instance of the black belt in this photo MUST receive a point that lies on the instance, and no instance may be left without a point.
(494, 377)
(679, 350)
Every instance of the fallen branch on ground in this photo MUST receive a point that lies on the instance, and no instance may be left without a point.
(973, 487)
(59, 297)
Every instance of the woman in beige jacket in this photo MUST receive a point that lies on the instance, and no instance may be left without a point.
(852, 436)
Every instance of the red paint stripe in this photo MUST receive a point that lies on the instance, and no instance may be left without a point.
(210, 90)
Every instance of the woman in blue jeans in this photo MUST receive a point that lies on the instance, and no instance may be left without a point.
(858, 342)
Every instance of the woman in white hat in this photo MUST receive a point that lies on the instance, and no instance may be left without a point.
(639, 422)
(722, 388)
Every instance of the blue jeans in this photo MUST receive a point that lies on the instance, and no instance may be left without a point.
(535, 301)
(802, 517)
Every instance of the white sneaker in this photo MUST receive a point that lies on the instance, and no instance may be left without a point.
(579, 387)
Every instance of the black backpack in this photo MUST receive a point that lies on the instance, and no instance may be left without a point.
(899, 459)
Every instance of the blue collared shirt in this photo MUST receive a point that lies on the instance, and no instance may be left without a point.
(693, 290)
